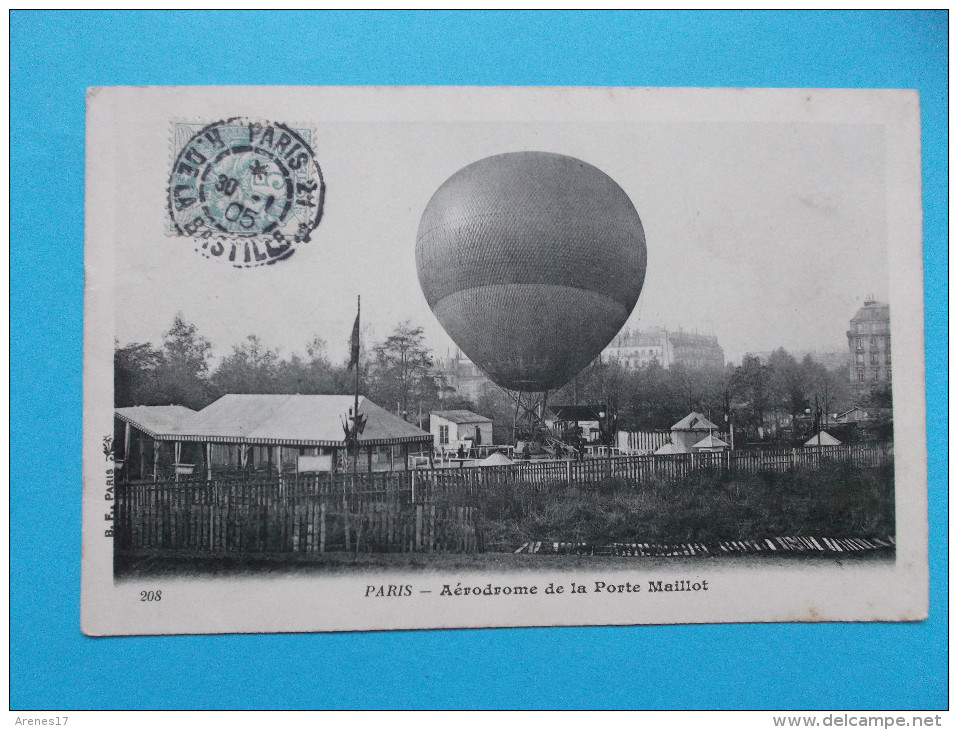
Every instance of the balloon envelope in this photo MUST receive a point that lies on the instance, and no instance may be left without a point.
(532, 262)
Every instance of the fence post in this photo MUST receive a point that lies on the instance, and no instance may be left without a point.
(322, 527)
(346, 512)
(418, 535)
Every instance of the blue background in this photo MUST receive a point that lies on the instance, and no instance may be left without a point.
(56, 55)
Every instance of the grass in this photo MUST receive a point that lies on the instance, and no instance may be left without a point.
(837, 500)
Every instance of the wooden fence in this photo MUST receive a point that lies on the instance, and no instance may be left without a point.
(423, 510)
(311, 514)
(641, 442)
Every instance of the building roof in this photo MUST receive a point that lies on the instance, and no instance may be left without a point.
(462, 416)
(872, 311)
(710, 442)
(823, 438)
(855, 409)
(283, 420)
(155, 421)
(577, 413)
(695, 422)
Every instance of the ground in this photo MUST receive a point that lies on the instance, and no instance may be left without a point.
(341, 563)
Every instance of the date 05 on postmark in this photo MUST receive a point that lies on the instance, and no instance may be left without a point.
(244, 191)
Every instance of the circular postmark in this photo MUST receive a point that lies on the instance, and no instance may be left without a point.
(245, 191)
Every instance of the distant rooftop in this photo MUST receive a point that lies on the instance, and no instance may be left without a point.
(872, 311)
(461, 416)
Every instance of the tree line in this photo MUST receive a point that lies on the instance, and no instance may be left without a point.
(397, 373)
(760, 395)
(774, 398)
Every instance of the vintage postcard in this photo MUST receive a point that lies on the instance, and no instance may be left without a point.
(400, 358)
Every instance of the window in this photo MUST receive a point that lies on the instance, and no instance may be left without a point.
(859, 343)
(861, 373)
(444, 434)
(860, 358)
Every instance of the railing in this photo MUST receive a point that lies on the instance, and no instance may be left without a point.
(419, 510)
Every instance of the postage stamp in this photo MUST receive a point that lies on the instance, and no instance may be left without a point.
(244, 191)
(557, 356)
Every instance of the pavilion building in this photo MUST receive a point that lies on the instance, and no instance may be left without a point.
(264, 434)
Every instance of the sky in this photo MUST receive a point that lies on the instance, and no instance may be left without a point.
(766, 229)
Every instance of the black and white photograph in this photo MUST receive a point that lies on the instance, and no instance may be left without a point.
(388, 358)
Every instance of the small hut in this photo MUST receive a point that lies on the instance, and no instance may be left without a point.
(690, 431)
(571, 421)
(822, 438)
(451, 428)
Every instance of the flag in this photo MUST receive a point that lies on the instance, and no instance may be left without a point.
(353, 428)
(354, 346)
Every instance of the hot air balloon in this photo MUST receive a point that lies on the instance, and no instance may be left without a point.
(532, 262)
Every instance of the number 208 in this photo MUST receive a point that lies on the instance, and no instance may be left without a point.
(151, 595)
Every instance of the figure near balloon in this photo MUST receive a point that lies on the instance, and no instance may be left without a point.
(532, 262)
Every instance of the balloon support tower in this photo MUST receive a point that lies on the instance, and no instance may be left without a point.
(529, 425)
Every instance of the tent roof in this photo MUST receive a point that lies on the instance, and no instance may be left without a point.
(496, 459)
(669, 448)
(826, 440)
(462, 416)
(694, 422)
(292, 420)
(710, 442)
(156, 420)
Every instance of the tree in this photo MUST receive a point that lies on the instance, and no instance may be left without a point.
(402, 371)
(598, 384)
(495, 403)
(183, 368)
(648, 401)
(313, 374)
(250, 368)
(751, 383)
(135, 368)
(789, 383)
(878, 403)
(829, 388)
